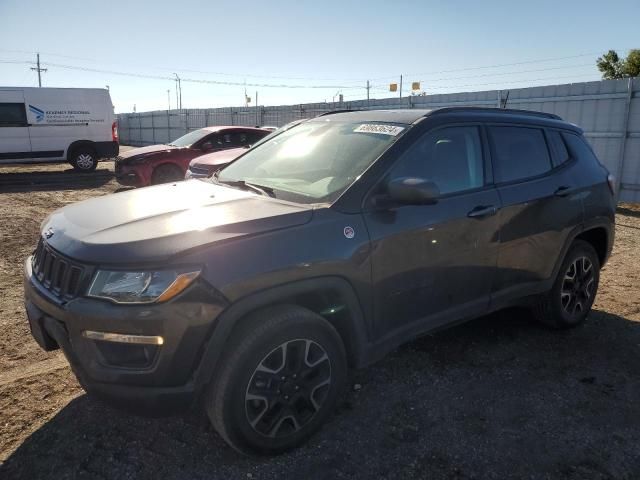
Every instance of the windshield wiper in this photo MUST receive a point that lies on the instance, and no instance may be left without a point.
(261, 189)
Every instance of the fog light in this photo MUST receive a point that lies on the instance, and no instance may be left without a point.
(123, 338)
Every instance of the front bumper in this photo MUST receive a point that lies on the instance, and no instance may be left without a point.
(156, 380)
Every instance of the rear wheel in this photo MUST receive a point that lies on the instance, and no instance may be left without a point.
(574, 290)
(166, 173)
(83, 159)
(283, 372)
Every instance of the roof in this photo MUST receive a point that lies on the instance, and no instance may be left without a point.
(405, 115)
(217, 128)
(409, 116)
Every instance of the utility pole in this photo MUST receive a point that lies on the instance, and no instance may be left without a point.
(368, 87)
(400, 86)
(38, 69)
(178, 89)
(169, 98)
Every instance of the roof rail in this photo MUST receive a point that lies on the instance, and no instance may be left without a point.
(344, 110)
(511, 111)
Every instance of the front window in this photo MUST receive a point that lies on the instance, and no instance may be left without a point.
(313, 162)
(190, 138)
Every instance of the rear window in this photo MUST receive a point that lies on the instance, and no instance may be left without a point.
(519, 153)
(12, 115)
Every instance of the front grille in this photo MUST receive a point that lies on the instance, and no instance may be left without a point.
(55, 273)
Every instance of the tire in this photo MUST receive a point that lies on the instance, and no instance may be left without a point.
(166, 173)
(570, 299)
(83, 159)
(282, 373)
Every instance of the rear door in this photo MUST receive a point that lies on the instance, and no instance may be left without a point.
(15, 144)
(539, 208)
(433, 264)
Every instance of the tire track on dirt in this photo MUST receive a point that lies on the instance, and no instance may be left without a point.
(38, 368)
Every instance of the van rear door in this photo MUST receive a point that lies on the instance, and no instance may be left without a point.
(15, 143)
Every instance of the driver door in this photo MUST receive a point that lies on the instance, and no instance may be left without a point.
(434, 264)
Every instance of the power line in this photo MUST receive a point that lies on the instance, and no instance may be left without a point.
(507, 82)
(526, 62)
(346, 81)
(193, 80)
(482, 75)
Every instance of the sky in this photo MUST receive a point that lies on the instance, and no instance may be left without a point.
(306, 50)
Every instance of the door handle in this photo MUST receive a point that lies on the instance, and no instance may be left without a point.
(483, 211)
(563, 191)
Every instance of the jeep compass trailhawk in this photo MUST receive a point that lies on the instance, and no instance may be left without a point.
(324, 248)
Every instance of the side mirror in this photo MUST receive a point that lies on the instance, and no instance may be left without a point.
(206, 146)
(413, 191)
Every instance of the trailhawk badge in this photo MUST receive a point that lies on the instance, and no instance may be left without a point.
(349, 232)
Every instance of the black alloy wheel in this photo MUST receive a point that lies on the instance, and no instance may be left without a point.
(288, 388)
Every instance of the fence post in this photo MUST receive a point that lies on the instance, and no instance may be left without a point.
(625, 134)
(206, 118)
(140, 128)
(186, 122)
(168, 126)
(153, 127)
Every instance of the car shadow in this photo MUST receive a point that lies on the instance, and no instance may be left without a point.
(622, 210)
(498, 397)
(69, 179)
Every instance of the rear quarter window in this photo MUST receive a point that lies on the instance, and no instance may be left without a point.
(579, 148)
(519, 153)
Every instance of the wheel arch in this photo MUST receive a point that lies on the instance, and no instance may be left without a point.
(79, 144)
(318, 295)
(598, 238)
(597, 231)
(166, 163)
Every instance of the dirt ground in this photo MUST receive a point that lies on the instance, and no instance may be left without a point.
(499, 397)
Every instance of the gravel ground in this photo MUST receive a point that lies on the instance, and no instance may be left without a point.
(499, 397)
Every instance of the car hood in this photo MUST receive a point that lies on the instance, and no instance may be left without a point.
(217, 158)
(146, 151)
(157, 223)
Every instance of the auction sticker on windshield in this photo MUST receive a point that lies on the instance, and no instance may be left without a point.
(392, 130)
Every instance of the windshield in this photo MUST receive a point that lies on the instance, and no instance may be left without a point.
(190, 138)
(277, 132)
(313, 162)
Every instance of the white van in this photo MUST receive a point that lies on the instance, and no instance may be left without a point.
(75, 125)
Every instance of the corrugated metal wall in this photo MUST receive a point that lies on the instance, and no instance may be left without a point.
(608, 111)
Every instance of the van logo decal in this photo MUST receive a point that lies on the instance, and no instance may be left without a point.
(349, 232)
(37, 112)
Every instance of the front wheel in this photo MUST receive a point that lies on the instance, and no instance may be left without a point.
(84, 159)
(166, 173)
(570, 299)
(282, 375)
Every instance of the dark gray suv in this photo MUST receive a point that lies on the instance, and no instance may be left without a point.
(321, 250)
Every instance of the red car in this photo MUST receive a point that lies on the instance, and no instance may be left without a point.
(168, 163)
(206, 165)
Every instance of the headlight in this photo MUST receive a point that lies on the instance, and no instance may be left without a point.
(142, 286)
